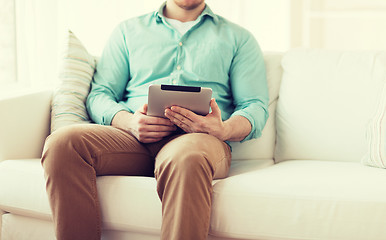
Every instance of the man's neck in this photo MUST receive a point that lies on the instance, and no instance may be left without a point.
(173, 11)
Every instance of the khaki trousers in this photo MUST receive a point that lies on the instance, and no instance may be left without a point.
(183, 164)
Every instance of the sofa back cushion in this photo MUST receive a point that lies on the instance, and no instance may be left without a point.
(75, 75)
(325, 102)
(263, 147)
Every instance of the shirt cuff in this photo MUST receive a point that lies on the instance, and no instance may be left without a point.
(252, 134)
(111, 112)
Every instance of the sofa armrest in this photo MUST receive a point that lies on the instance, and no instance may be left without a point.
(24, 124)
(1, 221)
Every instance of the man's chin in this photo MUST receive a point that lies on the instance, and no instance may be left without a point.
(188, 5)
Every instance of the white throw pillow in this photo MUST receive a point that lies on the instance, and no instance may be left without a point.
(75, 75)
(325, 102)
(376, 134)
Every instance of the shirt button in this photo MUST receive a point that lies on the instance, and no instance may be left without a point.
(180, 43)
(178, 67)
(174, 81)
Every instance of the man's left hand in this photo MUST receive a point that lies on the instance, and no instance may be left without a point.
(193, 123)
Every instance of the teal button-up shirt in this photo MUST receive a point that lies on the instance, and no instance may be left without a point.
(214, 53)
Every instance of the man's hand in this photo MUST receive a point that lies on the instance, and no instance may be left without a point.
(146, 129)
(192, 123)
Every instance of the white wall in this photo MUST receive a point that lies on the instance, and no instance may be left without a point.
(93, 20)
(343, 24)
(269, 21)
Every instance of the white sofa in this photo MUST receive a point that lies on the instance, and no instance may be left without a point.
(303, 179)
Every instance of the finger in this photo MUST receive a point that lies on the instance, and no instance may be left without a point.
(215, 108)
(184, 113)
(179, 120)
(150, 140)
(176, 117)
(150, 120)
(181, 124)
(143, 135)
(143, 109)
(186, 128)
(158, 128)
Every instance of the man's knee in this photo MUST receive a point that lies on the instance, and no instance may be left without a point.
(187, 164)
(64, 138)
(59, 146)
(190, 153)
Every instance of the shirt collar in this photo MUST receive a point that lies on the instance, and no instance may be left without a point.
(207, 12)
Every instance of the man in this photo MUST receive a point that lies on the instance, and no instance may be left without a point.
(183, 43)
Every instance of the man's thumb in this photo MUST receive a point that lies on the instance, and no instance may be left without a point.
(215, 109)
(144, 109)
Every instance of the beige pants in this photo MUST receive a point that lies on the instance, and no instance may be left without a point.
(183, 164)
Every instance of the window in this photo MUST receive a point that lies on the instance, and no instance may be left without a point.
(7, 43)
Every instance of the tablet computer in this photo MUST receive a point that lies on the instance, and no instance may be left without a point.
(196, 99)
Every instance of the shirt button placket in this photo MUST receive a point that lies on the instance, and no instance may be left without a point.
(179, 52)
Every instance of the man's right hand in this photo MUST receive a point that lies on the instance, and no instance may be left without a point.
(146, 129)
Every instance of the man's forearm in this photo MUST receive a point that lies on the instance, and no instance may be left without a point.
(237, 128)
(121, 120)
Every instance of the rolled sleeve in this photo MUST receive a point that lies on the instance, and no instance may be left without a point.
(111, 112)
(249, 85)
(109, 81)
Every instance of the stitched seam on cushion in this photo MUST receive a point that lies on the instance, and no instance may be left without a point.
(380, 127)
(376, 134)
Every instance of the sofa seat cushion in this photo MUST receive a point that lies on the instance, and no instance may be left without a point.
(22, 188)
(302, 199)
(128, 203)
